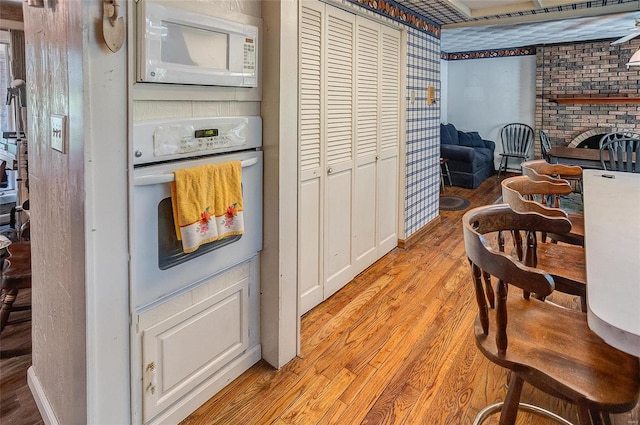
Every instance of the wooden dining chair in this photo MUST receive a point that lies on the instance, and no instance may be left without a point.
(16, 275)
(545, 144)
(540, 169)
(567, 263)
(526, 195)
(547, 346)
(620, 152)
(517, 139)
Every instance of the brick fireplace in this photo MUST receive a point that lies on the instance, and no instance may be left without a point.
(572, 79)
(591, 138)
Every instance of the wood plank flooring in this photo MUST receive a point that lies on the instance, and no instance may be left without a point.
(17, 406)
(394, 346)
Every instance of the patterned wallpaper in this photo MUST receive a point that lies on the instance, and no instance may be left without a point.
(399, 13)
(496, 53)
(422, 150)
(422, 185)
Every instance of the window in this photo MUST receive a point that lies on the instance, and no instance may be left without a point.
(4, 79)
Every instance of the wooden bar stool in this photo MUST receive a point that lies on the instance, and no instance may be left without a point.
(551, 348)
(16, 275)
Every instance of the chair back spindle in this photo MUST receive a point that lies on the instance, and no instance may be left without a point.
(545, 145)
(516, 138)
(623, 152)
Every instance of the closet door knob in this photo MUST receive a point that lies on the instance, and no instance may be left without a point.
(329, 170)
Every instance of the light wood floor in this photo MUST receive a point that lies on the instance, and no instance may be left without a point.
(394, 346)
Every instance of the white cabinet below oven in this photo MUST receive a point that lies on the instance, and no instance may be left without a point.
(196, 342)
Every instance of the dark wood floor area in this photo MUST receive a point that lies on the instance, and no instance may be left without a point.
(17, 406)
(395, 346)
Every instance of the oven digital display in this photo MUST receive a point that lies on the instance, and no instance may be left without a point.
(208, 132)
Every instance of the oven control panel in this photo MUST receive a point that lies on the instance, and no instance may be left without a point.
(178, 139)
(171, 140)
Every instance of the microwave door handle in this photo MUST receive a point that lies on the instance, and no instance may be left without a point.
(167, 178)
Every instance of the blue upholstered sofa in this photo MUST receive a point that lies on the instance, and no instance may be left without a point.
(470, 157)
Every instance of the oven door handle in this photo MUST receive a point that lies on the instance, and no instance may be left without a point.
(167, 178)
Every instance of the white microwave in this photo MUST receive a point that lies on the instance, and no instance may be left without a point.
(180, 46)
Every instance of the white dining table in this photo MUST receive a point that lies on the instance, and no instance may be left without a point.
(612, 246)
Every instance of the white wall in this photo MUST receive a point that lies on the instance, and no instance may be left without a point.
(485, 94)
(444, 91)
(78, 204)
(279, 318)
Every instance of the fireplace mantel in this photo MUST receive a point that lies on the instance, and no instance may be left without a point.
(594, 100)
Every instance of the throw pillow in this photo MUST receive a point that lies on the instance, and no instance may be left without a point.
(467, 139)
(448, 134)
(473, 140)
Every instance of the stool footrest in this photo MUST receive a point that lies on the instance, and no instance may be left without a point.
(497, 407)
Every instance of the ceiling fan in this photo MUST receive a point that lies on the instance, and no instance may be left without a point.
(634, 33)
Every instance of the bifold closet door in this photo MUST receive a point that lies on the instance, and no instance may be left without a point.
(311, 159)
(367, 111)
(339, 139)
(346, 145)
(389, 141)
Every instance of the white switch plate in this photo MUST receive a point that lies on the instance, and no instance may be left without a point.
(58, 132)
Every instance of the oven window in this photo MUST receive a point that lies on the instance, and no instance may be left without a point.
(170, 252)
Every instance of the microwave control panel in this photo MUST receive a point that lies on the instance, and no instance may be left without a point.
(166, 140)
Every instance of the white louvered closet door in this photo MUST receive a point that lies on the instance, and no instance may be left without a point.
(387, 234)
(349, 121)
(367, 112)
(339, 139)
(310, 275)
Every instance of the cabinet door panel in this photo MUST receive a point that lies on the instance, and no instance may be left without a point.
(181, 352)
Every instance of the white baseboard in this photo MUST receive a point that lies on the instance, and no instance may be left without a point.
(196, 398)
(48, 416)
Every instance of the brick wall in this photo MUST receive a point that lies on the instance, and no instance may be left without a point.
(584, 69)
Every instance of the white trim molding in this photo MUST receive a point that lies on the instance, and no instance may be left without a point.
(44, 407)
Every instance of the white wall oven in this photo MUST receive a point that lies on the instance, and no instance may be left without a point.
(160, 266)
(195, 316)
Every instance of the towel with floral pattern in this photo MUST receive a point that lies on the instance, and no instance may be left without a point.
(207, 203)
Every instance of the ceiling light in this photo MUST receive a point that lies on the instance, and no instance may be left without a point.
(635, 59)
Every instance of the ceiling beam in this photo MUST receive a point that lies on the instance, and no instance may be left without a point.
(481, 12)
(460, 7)
(553, 16)
(555, 3)
(468, 8)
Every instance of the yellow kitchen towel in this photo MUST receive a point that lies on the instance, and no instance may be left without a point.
(207, 203)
